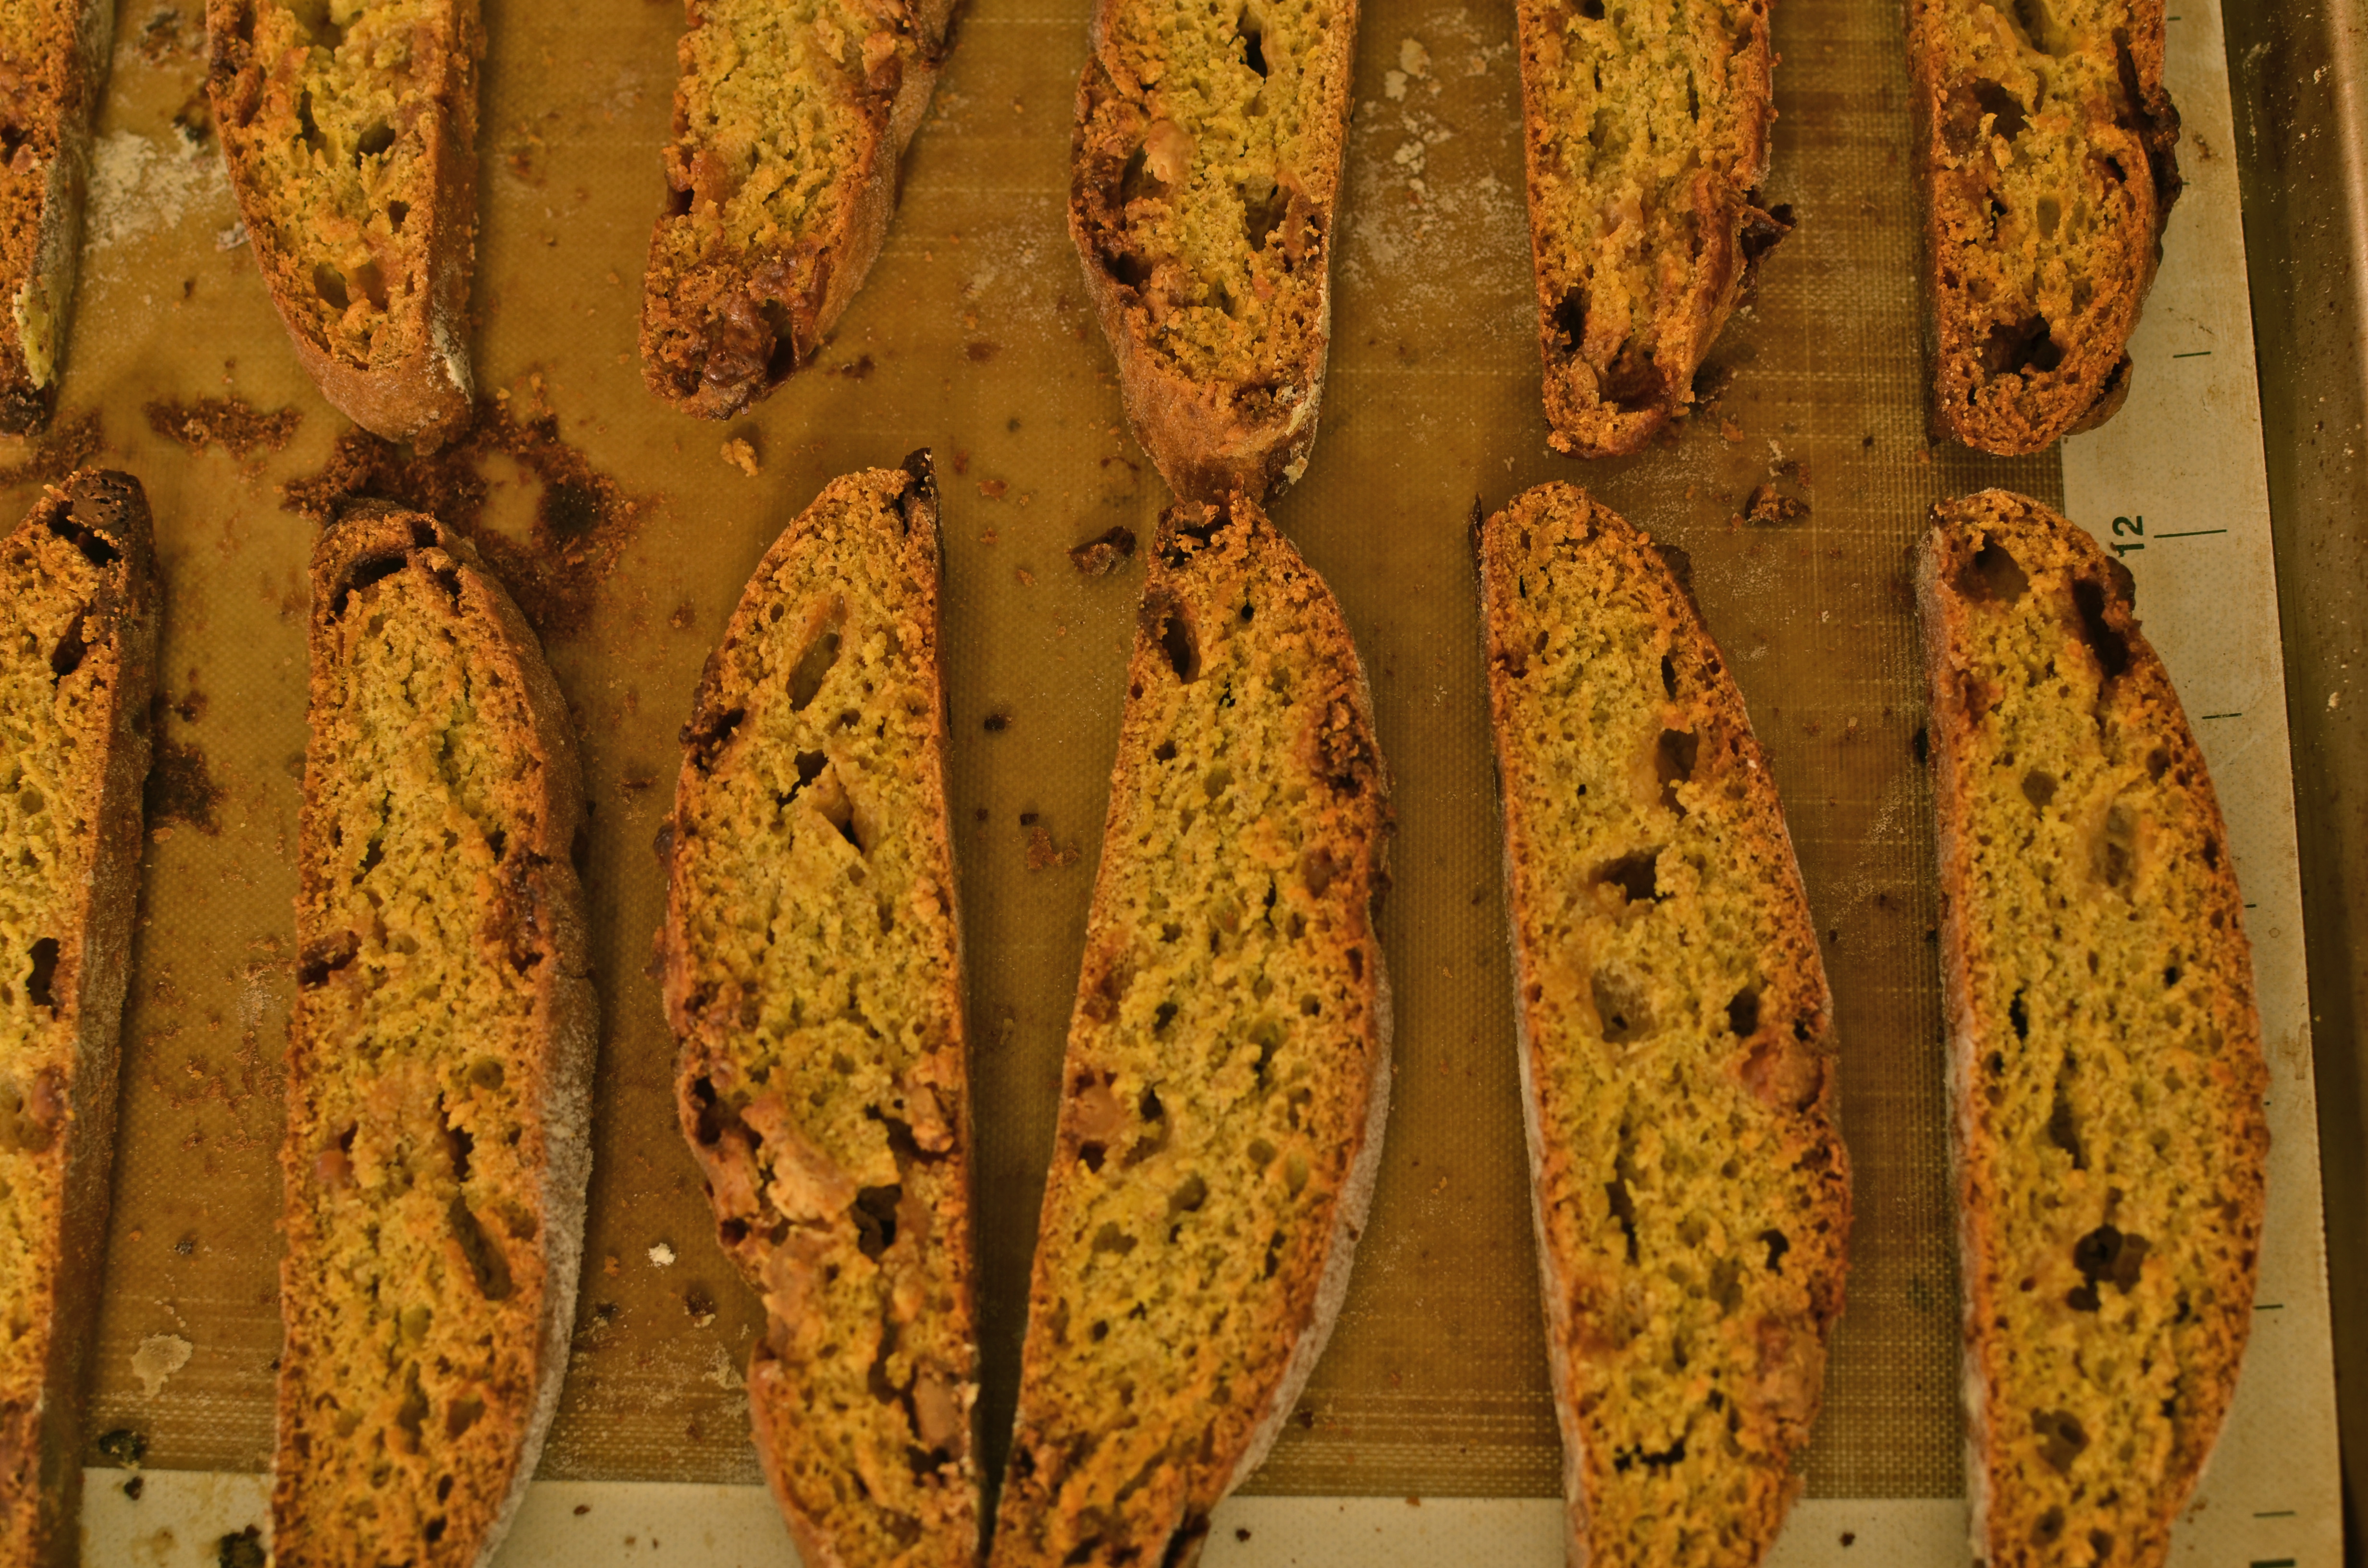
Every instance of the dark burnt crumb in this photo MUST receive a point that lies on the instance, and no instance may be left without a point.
(162, 36)
(857, 368)
(684, 614)
(180, 789)
(1043, 853)
(1782, 500)
(638, 777)
(1241, 1533)
(238, 426)
(582, 521)
(1100, 556)
(980, 351)
(65, 446)
(135, 1487)
(243, 1549)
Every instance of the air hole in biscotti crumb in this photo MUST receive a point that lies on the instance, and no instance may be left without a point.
(876, 1219)
(2061, 1437)
(2106, 1256)
(1777, 1244)
(2017, 348)
(487, 1266)
(1317, 869)
(2102, 1543)
(1592, 9)
(1248, 29)
(1111, 1239)
(1357, 964)
(2112, 648)
(2062, 1124)
(2116, 859)
(2019, 1015)
(1163, 1016)
(45, 969)
(1673, 763)
(2008, 117)
(1570, 314)
(1164, 752)
(1620, 1003)
(1091, 1155)
(1268, 1038)
(813, 665)
(1188, 1197)
(2049, 1530)
(374, 141)
(1182, 648)
(1632, 874)
(1668, 675)
(330, 284)
(2157, 763)
(1148, 1107)
(2039, 787)
(1265, 205)
(1624, 1210)
(67, 656)
(462, 1415)
(1993, 574)
(1742, 1013)
(1273, 1257)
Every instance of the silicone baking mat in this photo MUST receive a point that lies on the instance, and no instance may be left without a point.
(972, 337)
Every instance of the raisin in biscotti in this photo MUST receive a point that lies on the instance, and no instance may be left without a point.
(1205, 174)
(1228, 1065)
(1692, 1190)
(78, 654)
(2044, 148)
(2104, 1051)
(1646, 131)
(54, 52)
(350, 132)
(811, 962)
(789, 124)
(440, 1066)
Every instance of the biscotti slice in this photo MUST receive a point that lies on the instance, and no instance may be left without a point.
(2104, 1052)
(439, 1063)
(1691, 1189)
(350, 132)
(77, 654)
(2045, 153)
(1204, 177)
(1646, 133)
(789, 125)
(55, 54)
(1228, 1065)
(812, 965)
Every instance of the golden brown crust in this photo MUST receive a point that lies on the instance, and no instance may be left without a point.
(418, 387)
(723, 322)
(2125, 1339)
(761, 1165)
(1646, 1483)
(1615, 376)
(43, 176)
(105, 516)
(1161, 1099)
(531, 908)
(2047, 171)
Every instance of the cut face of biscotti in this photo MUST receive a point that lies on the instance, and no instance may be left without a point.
(1692, 1193)
(2105, 1050)
(2045, 148)
(77, 645)
(789, 122)
(350, 131)
(439, 1065)
(812, 965)
(1646, 129)
(1227, 1073)
(55, 52)
(1206, 172)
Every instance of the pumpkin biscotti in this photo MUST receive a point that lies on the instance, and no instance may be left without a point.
(1228, 1065)
(1691, 1189)
(55, 54)
(350, 132)
(439, 1065)
(812, 965)
(1204, 178)
(789, 127)
(2045, 149)
(2104, 1052)
(1645, 127)
(77, 657)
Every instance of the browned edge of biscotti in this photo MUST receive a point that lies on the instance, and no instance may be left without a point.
(1675, 571)
(1950, 348)
(369, 541)
(918, 508)
(745, 355)
(1942, 614)
(27, 401)
(1185, 529)
(1195, 437)
(1737, 234)
(105, 514)
(427, 396)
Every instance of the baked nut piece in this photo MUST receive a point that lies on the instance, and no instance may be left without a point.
(811, 963)
(1691, 1189)
(1228, 1065)
(789, 124)
(77, 656)
(2104, 1052)
(350, 131)
(1646, 133)
(2045, 150)
(440, 1066)
(1204, 177)
(55, 53)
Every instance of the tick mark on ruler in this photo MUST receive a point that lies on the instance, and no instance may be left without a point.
(2268, 1306)
(2237, 715)
(2273, 1563)
(2192, 353)
(2192, 533)
(2279, 1514)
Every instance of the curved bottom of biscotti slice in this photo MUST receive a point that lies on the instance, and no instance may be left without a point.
(1208, 441)
(436, 1155)
(1226, 1076)
(2105, 1065)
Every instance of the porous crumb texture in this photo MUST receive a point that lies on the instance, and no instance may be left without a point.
(1206, 169)
(1692, 1192)
(53, 56)
(2104, 1048)
(1227, 1064)
(813, 976)
(77, 636)
(789, 121)
(2046, 153)
(1645, 124)
(438, 1069)
(350, 129)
